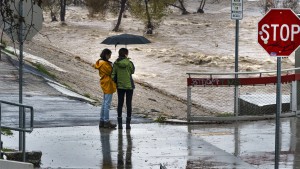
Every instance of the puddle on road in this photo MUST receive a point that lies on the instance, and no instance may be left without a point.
(254, 142)
(85, 147)
(246, 145)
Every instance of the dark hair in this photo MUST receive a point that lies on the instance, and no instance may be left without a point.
(123, 52)
(104, 53)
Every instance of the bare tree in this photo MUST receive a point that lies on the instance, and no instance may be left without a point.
(266, 5)
(53, 6)
(78, 2)
(149, 26)
(151, 12)
(183, 9)
(293, 4)
(102, 7)
(201, 7)
(63, 4)
(97, 7)
(122, 9)
(180, 4)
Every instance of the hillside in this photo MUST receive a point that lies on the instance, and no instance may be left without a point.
(182, 43)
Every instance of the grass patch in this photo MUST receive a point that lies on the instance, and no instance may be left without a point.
(11, 52)
(3, 43)
(6, 132)
(67, 85)
(160, 119)
(8, 150)
(87, 95)
(42, 69)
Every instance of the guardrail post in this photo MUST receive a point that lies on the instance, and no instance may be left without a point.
(22, 126)
(189, 103)
(236, 99)
(23, 135)
(293, 99)
(1, 145)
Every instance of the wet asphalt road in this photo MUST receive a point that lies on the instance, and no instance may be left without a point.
(231, 146)
(67, 133)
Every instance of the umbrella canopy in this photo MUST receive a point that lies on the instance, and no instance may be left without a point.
(125, 39)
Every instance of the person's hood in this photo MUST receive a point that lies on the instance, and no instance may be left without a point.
(122, 62)
(100, 62)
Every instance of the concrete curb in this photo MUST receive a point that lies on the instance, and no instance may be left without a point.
(218, 120)
(6, 164)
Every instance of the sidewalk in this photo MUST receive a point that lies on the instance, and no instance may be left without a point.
(67, 133)
(144, 146)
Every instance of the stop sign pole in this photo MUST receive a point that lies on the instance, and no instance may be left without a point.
(23, 27)
(21, 110)
(279, 35)
(236, 14)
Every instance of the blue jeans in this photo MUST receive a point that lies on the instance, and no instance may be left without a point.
(104, 114)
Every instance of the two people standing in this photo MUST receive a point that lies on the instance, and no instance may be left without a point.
(117, 76)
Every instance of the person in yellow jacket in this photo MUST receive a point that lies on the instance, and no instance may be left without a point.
(108, 87)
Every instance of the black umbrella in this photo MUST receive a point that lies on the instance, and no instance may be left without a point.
(125, 39)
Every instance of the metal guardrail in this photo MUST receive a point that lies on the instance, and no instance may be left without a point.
(22, 124)
(290, 76)
(241, 73)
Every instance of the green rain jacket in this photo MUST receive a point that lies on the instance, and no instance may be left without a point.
(123, 68)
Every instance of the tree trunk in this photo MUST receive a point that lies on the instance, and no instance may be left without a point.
(123, 3)
(200, 9)
(53, 16)
(39, 3)
(184, 11)
(149, 23)
(269, 4)
(76, 2)
(63, 4)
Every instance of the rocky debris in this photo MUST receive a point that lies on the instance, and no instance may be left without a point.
(33, 157)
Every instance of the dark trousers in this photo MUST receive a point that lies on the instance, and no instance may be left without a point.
(121, 95)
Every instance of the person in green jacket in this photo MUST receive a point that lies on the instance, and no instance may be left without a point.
(122, 72)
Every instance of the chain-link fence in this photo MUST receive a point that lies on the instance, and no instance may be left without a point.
(256, 96)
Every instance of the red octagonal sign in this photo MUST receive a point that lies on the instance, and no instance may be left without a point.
(279, 32)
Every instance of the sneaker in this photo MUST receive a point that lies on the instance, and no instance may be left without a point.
(109, 125)
(101, 124)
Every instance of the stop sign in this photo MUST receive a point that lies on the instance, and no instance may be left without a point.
(279, 32)
(32, 19)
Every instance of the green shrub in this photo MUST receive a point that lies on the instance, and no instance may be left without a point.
(6, 132)
(160, 119)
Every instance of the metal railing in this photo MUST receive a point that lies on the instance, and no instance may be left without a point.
(208, 86)
(22, 124)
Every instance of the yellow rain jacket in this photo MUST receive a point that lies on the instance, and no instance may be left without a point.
(107, 84)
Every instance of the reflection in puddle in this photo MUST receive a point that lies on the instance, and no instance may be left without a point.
(106, 151)
(127, 163)
(123, 159)
(254, 142)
